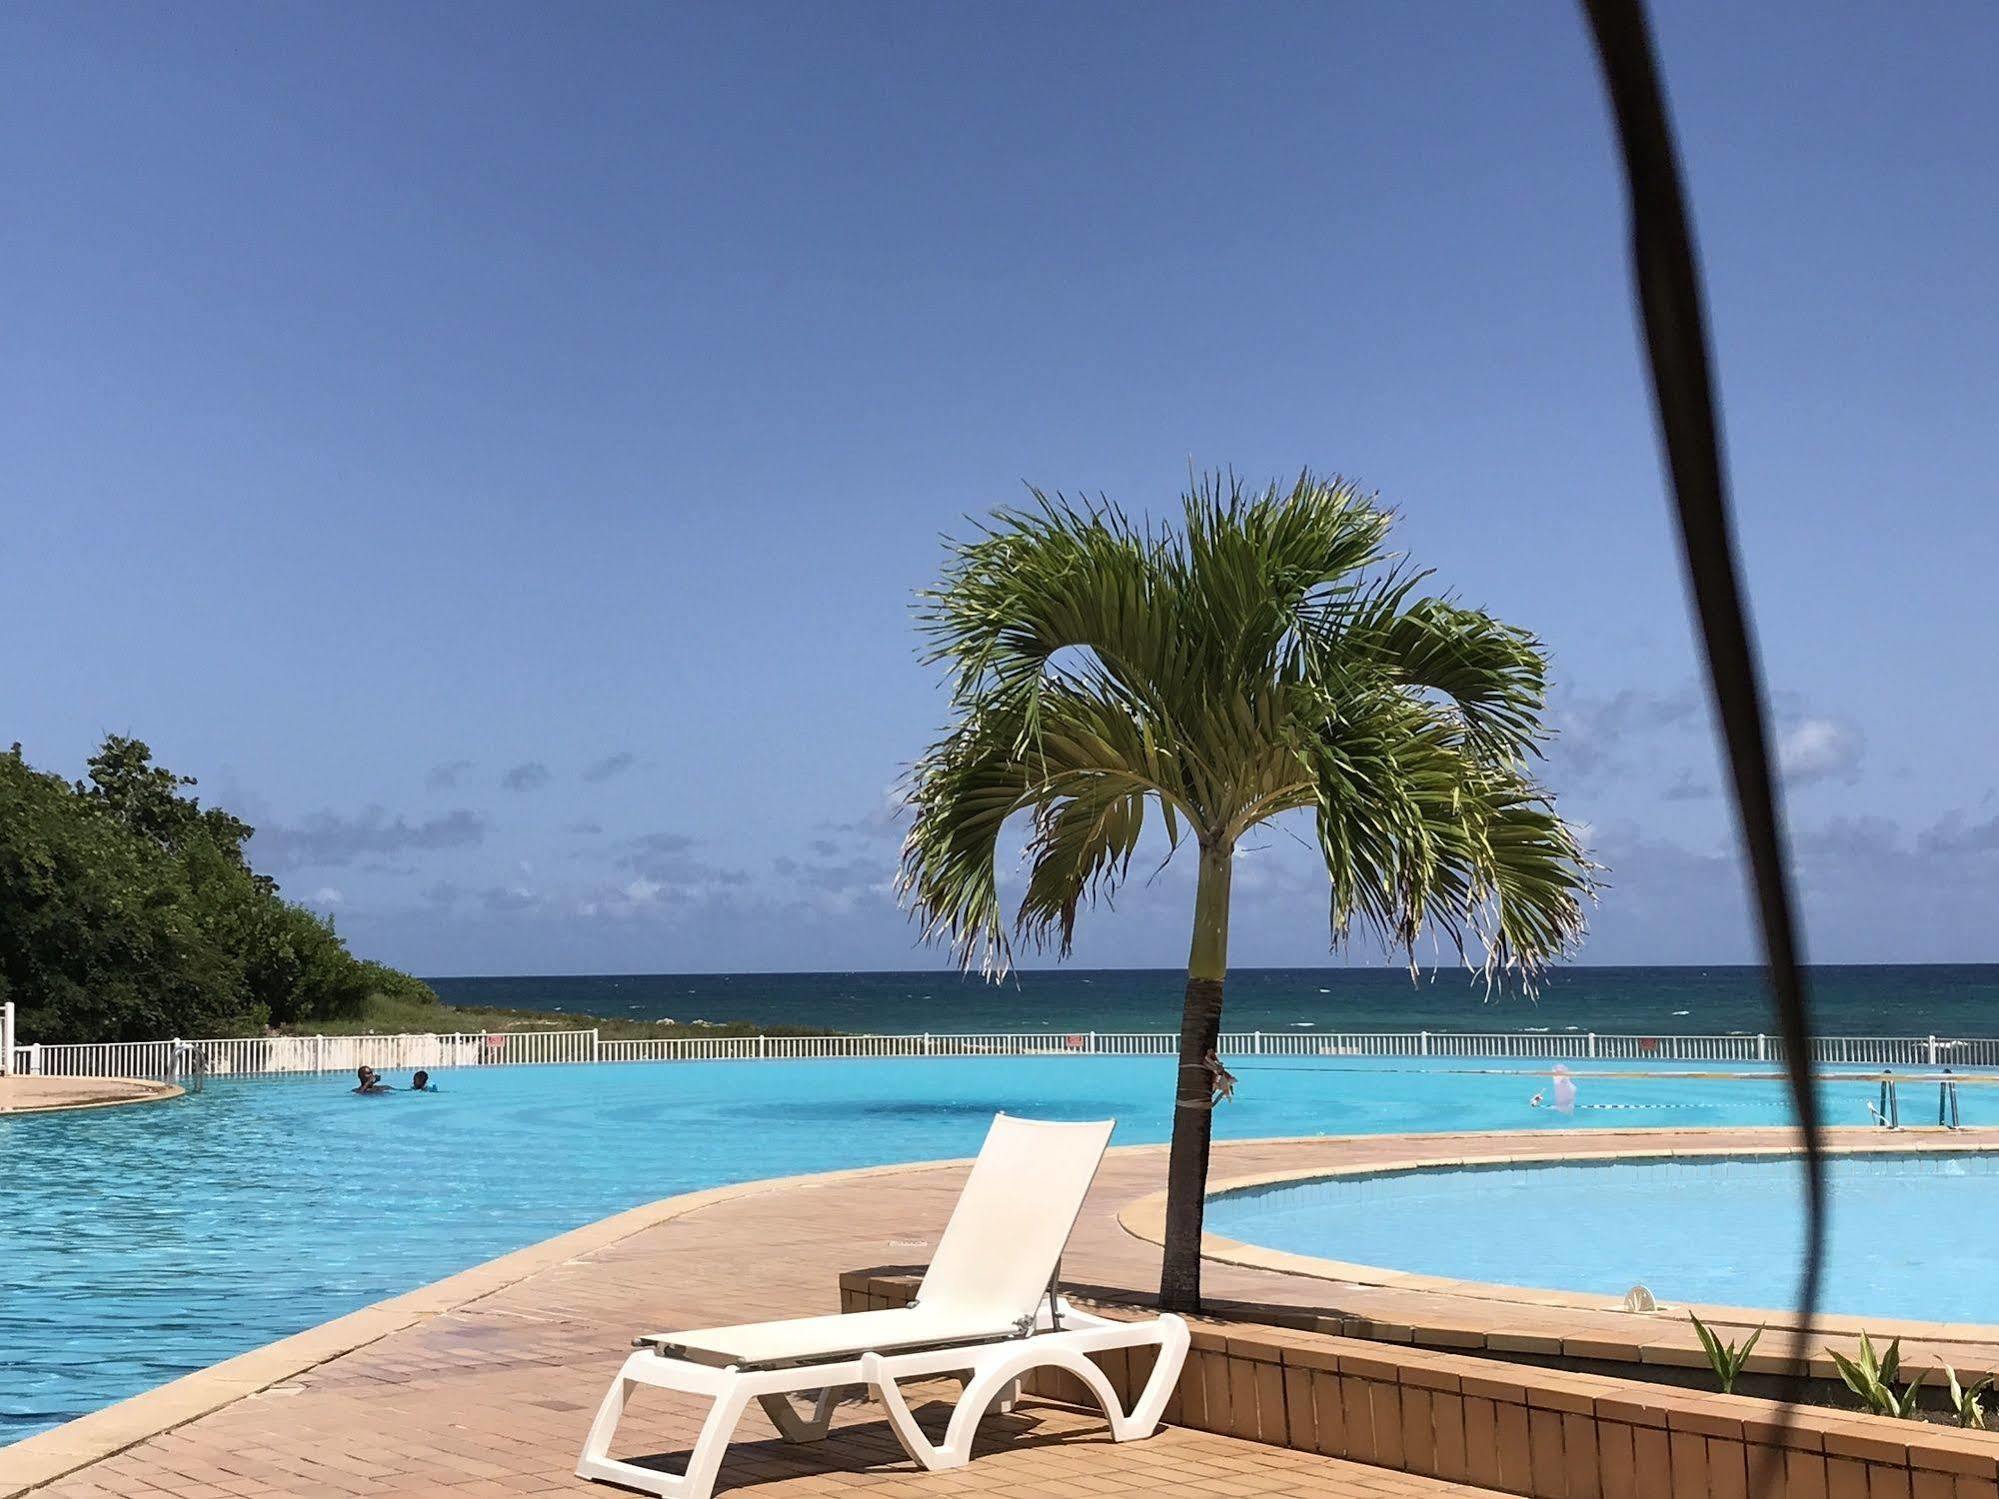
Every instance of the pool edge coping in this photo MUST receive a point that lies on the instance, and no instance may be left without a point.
(1144, 1219)
(157, 1092)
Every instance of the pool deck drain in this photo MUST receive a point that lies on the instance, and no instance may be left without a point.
(482, 1384)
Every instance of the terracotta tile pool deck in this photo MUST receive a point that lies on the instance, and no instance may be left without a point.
(483, 1384)
(21, 1094)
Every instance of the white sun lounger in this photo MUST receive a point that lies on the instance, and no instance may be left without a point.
(987, 1312)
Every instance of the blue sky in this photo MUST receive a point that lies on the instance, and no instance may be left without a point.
(495, 449)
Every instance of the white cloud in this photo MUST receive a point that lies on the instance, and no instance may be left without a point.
(1810, 750)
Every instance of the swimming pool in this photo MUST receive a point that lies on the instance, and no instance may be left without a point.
(181, 1233)
(1909, 1236)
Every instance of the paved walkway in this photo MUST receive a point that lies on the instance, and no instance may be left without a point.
(487, 1390)
(20, 1094)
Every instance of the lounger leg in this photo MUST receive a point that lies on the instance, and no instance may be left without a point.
(597, 1445)
(1167, 1333)
(903, 1424)
(1173, 1339)
(796, 1426)
(996, 1375)
(703, 1463)
(993, 1381)
(997, 1385)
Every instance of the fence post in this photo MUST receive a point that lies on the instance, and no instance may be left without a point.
(6, 1038)
(1933, 1051)
(1423, 1048)
(763, 1044)
(35, 1057)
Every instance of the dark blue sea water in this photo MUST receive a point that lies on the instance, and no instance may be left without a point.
(1955, 1000)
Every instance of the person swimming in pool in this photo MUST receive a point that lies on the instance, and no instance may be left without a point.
(370, 1081)
(1565, 1090)
(1565, 1093)
(421, 1083)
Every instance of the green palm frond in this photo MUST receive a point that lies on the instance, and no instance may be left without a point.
(1268, 656)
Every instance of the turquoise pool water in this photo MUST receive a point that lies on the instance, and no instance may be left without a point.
(1909, 1235)
(140, 1243)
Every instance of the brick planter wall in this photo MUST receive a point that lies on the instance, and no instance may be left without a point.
(1541, 1433)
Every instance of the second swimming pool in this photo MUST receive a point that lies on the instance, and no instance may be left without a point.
(1909, 1235)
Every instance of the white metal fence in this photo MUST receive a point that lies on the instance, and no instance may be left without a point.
(267, 1055)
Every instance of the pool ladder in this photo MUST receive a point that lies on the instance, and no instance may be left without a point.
(1947, 1102)
(1887, 1110)
(189, 1067)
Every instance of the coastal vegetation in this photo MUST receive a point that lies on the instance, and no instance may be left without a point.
(1270, 657)
(129, 911)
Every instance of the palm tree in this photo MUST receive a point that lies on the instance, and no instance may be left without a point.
(1270, 657)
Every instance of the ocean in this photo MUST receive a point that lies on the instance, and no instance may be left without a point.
(1916, 1000)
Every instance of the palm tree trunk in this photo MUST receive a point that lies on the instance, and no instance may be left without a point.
(1193, 1108)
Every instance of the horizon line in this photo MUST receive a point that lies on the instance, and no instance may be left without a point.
(948, 973)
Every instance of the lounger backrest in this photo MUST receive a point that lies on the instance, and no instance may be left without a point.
(1014, 1216)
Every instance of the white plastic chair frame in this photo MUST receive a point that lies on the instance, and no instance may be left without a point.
(986, 1313)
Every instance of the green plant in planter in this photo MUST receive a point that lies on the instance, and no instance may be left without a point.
(1968, 1403)
(1726, 1359)
(1873, 1380)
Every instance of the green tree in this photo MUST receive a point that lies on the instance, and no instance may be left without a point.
(102, 935)
(146, 799)
(128, 911)
(1269, 657)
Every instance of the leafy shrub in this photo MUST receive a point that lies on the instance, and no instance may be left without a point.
(1726, 1359)
(1873, 1380)
(394, 984)
(128, 912)
(1968, 1403)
